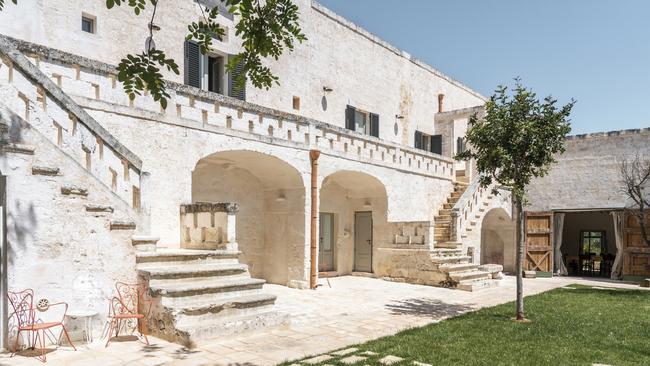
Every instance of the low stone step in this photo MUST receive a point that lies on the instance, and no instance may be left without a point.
(73, 190)
(476, 285)
(193, 270)
(99, 208)
(172, 256)
(447, 206)
(197, 308)
(449, 244)
(442, 218)
(189, 335)
(451, 259)
(204, 286)
(457, 267)
(45, 170)
(469, 275)
(445, 212)
(443, 252)
(122, 225)
(17, 148)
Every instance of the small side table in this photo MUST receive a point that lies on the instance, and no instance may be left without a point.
(87, 317)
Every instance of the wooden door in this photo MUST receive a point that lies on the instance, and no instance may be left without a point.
(363, 241)
(539, 242)
(636, 259)
(326, 243)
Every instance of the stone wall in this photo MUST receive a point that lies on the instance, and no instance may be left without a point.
(587, 175)
(363, 70)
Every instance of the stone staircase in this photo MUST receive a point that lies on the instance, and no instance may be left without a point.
(448, 257)
(203, 294)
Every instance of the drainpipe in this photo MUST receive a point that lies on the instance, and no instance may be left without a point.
(313, 278)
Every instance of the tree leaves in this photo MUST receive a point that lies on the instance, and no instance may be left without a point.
(137, 5)
(518, 137)
(142, 72)
(2, 3)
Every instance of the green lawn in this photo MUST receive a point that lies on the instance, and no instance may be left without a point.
(579, 326)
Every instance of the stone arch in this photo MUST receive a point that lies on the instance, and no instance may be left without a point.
(343, 194)
(498, 239)
(271, 218)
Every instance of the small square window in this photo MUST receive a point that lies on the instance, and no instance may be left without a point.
(87, 24)
(296, 103)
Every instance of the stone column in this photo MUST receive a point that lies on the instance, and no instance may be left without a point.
(231, 228)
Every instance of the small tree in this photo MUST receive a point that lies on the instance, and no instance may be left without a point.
(515, 141)
(635, 179)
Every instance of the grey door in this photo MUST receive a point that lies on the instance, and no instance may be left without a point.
(326, 243)
(363, 241)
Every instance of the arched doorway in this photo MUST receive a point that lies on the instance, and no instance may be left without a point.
(498, 239)
(354, 205)
(271, 218)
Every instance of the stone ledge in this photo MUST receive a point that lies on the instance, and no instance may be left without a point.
(72, 190)
(45, 170)
(99, 208)
(17, 148)
(144, 243)
(122, 225)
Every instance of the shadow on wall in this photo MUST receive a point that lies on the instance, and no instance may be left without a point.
(429, 308)
(21, 224)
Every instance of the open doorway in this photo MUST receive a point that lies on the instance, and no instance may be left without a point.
(588, 243)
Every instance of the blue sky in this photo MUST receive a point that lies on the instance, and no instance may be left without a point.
(596, 51)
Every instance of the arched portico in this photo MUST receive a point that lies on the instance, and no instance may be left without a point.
(353, 221)
(498, 239)
(271, 218)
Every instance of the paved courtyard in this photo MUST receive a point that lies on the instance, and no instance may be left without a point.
(344, 311)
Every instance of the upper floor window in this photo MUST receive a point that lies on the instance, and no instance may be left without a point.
(208, 72)
(88, 23)
(431, 143)
(460, 145)
(362, 121)
(441, 102)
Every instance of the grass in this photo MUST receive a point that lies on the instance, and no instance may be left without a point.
(578, 326)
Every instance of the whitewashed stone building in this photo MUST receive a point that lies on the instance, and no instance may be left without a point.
(205, 201)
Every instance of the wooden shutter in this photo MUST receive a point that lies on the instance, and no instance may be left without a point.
(539, 242)
(636, 255)
(417, 139)
(374, 125)
(349, 118)
(239, 93)
(436, 144)
(192, 64)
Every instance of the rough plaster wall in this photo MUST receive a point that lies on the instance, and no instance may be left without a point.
(498, 239)
(54, 246)
(574, 222)
(210, 183)
(337, 54)
(586, 176)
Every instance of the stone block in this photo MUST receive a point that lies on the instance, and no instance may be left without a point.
(389, 360)
(122, 225)
(344, 352)
(352, 360)
(490, 268)
(72, 190)
(645, 283)
(144, 243)
(530, 274)
(45, 170)
(99, 208)
(318, 359)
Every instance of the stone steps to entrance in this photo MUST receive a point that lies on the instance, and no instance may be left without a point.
(193, 270)
(202, 294)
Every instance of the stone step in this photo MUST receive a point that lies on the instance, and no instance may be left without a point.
(192, 270)
(204, 286)
(447, 206)
(449, 244)
(122, 225)
(451, 259)
(203, 311)
(189, 335)
(445, 212)
(457, 267)
(445, 252)
(45, 170)
(174, 256)
(476, 285)
(469, 275)
(17, 148)
(442, 218)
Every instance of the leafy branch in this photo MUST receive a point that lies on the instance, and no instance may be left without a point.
(2, 3)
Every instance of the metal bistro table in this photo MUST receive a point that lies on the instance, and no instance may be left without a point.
(87, 317)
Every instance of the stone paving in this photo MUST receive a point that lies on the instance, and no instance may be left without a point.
(343, 312)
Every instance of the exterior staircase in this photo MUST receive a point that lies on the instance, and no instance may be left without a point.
(448, 257)
(203, 294)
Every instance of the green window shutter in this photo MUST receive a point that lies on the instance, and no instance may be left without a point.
(239, 93)
(436, 144)
(374, 125)
(349, 118)
(417, 140)
(192, 64)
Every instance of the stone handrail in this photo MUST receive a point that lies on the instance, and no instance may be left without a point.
(95, 83)
(467, 204)
(30, 95)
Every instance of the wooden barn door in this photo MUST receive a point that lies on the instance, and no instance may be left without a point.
(539, 242)
(636, 259)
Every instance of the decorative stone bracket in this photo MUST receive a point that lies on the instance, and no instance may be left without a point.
(209, 225)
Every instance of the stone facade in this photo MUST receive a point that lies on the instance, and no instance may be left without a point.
(91, 174)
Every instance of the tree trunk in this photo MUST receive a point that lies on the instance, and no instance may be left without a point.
(520, 258)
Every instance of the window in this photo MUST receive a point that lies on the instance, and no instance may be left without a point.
(296, 103)
(592, 242)
(208, 72)
(441, 100)
(460, 145)
(431, 143)
(362, 121)
(88, 23)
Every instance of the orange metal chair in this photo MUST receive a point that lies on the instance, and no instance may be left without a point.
(23, 306)
(127, 306)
